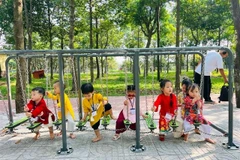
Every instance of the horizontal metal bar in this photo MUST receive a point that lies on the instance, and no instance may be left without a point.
(111, 50)
(105, 54)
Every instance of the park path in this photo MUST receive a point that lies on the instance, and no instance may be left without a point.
(22, 147)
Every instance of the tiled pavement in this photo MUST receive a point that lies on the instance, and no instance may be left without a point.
(23, 147)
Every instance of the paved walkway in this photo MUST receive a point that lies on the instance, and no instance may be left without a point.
(22, 146)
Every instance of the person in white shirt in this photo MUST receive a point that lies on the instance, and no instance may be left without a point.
(213, 60)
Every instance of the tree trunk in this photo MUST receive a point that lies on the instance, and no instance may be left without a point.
(178, 57)
(19, 45)
(71, 43)
(50, 37)
(219, 35)
(28, 17)
(146, 57)
(91, 40)
(158, 39)
(236, 19)
(97, 37)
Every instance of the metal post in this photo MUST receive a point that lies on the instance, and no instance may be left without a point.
(79, 86)
(202, 76)
(64, 149)
(138, 147)
(9, 97)
(230, 144)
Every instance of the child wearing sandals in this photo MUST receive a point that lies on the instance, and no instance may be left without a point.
(128, 112)
(69, 112)
(96, 106)
(37, 108)
(193, 113)
(180, 115)
(168, 107)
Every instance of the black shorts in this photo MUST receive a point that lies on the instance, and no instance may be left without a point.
(107, 107)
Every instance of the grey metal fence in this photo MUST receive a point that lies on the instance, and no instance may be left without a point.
(135, 53)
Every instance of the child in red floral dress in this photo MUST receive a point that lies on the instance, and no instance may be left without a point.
(193, 113)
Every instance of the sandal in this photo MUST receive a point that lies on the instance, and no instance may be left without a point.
(59, 134)
(116, 137)
(72, 136)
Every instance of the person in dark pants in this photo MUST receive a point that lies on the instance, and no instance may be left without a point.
(213, 60)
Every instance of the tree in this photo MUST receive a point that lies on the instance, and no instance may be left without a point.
(71, 41)
(178, 65)
(19, 45)
(236, 19)
(91, 39)
(146, 16)
(28, 24)
(6, 19)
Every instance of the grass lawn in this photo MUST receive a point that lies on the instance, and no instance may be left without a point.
(112, 84)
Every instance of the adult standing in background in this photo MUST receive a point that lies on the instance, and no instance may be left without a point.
(213, 60)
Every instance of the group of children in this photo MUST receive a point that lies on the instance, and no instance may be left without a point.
(96, 106)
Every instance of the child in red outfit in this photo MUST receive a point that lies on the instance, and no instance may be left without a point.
(37, 108)
(168, 107)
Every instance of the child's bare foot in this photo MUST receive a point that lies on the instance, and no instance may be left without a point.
(37, 136)
(96, 139)
(197, 131)
(72, 136)
(59, 134)
(210, 140)
(52, 136)
(114, 118)
(185, 137)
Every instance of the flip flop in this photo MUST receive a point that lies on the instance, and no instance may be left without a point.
(116, 137)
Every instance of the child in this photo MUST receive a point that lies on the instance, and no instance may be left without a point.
(193, 113)
(128, 112)
(168, 102)
(69, 112)
(37, 108)
(179, 130)
(93, 105)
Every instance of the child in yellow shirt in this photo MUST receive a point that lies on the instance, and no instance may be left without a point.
(95, 106)
(69, 112)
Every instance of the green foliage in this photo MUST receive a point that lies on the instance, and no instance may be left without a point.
(208, 20)
(112, 84)
(6, 20)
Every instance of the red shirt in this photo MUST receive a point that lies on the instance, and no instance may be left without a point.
(164, 102)
(40, 110)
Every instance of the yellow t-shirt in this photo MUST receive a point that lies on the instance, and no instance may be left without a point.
(94, 107)
(67, 104)
(180, 98)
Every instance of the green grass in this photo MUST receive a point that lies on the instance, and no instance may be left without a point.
(112, 84)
